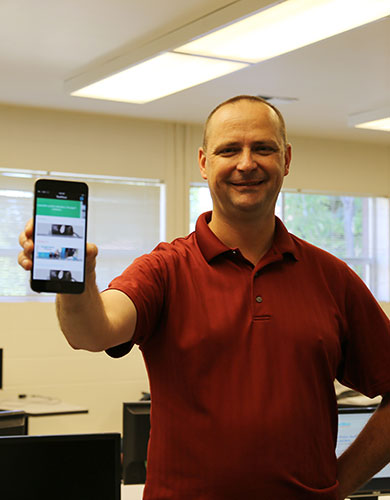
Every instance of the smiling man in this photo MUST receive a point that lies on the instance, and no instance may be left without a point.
(244, 328)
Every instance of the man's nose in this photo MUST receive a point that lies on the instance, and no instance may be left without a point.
(246, 161)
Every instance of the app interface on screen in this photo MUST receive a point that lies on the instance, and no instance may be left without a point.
(59, 236)
(350, 426)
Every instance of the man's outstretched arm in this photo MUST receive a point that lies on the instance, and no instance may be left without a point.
(90, 320)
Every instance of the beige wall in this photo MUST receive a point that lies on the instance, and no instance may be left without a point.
(37, 359)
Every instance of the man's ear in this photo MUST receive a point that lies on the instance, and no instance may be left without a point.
(287, 159)
(202, 163)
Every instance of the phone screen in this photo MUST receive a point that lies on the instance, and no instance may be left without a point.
(60, 227)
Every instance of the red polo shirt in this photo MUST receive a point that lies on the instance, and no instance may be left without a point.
(241, 361)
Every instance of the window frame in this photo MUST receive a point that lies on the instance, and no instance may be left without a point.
(33, 175)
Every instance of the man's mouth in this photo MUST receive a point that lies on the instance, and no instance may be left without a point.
(247, 183)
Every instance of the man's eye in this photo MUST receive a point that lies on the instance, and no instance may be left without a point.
(227, 151)
(265, 150)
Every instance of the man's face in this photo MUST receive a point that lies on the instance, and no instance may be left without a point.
(246, 159)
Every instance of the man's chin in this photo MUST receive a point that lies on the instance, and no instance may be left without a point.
(249, 209)
(248, 204)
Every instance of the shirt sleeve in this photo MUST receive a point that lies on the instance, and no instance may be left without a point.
(366, 346)
(144, 282)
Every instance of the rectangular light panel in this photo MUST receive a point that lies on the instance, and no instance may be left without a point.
(375, 119)
(162, 75)
(285, 27)
(383, 124)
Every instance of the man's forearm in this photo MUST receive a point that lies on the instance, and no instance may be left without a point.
(369, 453)
(83, 319)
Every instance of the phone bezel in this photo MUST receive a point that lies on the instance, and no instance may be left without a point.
(52, 286)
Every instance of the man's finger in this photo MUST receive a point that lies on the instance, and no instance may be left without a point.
(29, 229)
(24, 261)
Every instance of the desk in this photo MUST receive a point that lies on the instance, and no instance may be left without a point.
(37, 406)
(40, 407)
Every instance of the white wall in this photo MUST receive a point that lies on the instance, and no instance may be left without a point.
(37, 359)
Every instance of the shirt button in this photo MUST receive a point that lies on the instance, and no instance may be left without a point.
(259, 299)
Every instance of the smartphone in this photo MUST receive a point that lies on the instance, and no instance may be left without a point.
(60, 236)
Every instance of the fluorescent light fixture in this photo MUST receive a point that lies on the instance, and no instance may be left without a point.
(160, 76)
(285, 27)
(383, 124)
(229, 39)
(378, 119)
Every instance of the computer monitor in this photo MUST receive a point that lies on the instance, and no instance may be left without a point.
(74, 466)
(13, 423)
(351, 422)
(136, 429)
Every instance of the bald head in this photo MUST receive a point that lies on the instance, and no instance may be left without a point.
(256, 101)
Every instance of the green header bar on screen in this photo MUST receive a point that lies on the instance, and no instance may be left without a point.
(58, 208)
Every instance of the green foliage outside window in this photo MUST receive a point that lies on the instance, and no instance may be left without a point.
(332, 222)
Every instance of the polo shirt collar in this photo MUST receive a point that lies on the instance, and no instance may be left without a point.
(211, 246)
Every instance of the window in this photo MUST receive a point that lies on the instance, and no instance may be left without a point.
(355, 229)
(126, 219)
(200, 201)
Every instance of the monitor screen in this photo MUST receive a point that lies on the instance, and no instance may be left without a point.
(351, 422)
(80, 467)
(136, 429)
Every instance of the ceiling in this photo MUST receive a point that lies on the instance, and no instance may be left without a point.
(44, 42)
